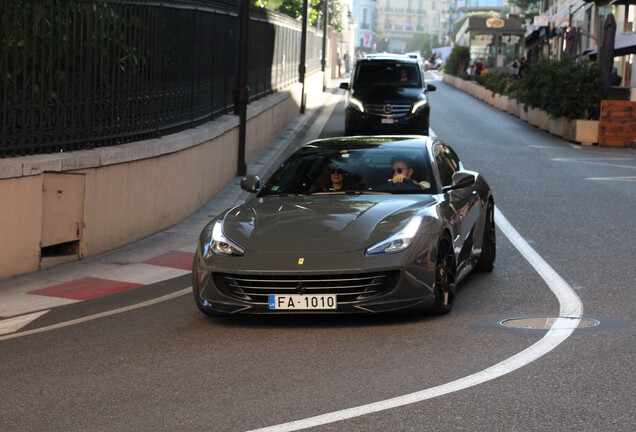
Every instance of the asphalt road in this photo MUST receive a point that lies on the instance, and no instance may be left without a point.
(167, 367)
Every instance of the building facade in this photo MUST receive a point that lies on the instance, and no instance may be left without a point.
(547, 34)
(364, 13)
(400, 20)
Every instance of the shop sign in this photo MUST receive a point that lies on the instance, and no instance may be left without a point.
(495, 23)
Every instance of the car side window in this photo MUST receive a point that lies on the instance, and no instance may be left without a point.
(447, 163)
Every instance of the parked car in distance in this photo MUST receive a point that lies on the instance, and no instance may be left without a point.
(349, 225)
(387, 94)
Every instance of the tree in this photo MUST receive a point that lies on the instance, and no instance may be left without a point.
(294, 9)
(525, 5)
(381, 40)
(423, 43)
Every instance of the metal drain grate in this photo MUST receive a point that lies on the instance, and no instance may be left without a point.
(547, 323)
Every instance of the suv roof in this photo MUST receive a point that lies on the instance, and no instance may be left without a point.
(387, 56)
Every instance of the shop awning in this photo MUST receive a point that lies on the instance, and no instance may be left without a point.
(624, 44)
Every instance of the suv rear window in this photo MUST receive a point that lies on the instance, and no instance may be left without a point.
(388, 73)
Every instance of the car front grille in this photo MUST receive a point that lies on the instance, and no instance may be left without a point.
(395, 111)
(347, 287)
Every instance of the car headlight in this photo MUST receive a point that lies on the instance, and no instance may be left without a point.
(219, 244)
(355, 103)
(399, 241)
(418, 105)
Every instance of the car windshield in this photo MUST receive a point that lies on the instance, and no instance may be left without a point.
(358, 169)
(388, 73)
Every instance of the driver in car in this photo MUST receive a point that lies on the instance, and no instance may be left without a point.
(403, 172)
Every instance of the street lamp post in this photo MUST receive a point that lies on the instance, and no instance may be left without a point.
(325, 15)
(302, 67)
(242, 89)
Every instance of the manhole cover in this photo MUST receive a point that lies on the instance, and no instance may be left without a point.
(547, 323)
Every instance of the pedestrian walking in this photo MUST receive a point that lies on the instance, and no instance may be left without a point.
(479, 67)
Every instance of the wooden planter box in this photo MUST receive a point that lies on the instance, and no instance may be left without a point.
(557, 125)
(474, 89)
(582, 131)
(448, 78)
(489, 98)
(522, 113)
(501, 102)
(533, 116)
(544, 121)
(512, 108)
(480, 92)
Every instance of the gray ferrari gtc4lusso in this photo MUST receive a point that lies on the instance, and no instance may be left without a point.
(351, 224)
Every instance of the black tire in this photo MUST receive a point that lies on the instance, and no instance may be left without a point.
(445, 268)
(486, 260)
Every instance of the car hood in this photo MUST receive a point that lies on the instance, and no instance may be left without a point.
(320, 223)
(387, 94)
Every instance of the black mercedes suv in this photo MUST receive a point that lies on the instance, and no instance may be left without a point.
(387, 95)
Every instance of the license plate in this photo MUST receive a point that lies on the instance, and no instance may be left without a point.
(302, 302)
(386, 121)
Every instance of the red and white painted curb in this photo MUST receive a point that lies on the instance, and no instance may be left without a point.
(27, 306)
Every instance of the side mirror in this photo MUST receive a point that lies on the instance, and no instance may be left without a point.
(344, 85)
(430, 87)
(461, 180)
(251, 183)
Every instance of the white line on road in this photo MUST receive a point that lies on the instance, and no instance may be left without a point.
(589, 162)
(624, 179)
(570, 307)
(14, 324)
(100, 315)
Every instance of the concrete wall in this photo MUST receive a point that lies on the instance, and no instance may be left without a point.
(61, 207)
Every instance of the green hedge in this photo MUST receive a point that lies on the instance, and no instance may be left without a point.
(563, 88)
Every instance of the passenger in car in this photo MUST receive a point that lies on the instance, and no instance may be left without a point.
(335, 180)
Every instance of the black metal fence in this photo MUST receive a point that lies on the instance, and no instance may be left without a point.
(78, 74)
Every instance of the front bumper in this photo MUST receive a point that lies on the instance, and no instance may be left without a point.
(380, 289)
(365, 123)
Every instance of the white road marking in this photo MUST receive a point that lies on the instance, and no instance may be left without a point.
(139, 273)
(626, 178)
(571, 310)
(11, 325)
(595, 162)
(100, 315)
(24, 303)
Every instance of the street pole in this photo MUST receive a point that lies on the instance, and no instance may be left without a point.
(302, 67)
(325, 16)
(242, 89)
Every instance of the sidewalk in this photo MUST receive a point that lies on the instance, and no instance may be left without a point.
(163, 256)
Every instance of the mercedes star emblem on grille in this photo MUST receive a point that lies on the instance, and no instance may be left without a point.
(388, 109)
